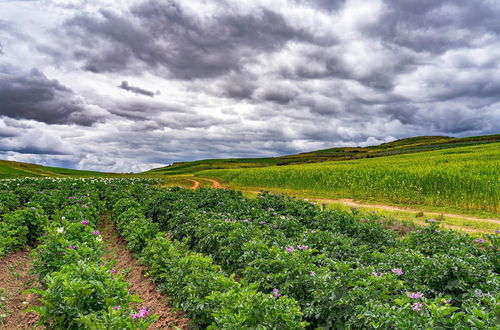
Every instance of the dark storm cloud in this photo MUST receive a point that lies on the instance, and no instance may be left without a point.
(166, 35)
(137, 90)
(436, 25)
(33, 96)
(30, 149)
(279, 95)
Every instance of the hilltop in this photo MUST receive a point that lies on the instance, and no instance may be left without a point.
(12, 169)
(402, 146)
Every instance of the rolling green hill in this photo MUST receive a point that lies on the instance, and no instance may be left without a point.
(464, 177)
(403, 146)
(11, 169)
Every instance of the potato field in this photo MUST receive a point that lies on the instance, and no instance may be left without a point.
(228, 262)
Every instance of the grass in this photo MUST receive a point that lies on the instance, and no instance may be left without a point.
(403, 146)
(466, 178)
(11, 169)
(456, 223)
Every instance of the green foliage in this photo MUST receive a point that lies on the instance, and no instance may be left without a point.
(80, 289)
(467, 178)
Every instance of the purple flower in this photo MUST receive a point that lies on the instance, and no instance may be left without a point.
(497, 231)
(289, 249)
(415, 295)
(84, 222)
(262, 223)
(32, 208)
(71, 197)
(374, 212)
(417, 307)
(71, 247)
(170, 234)
(112, 271)
(142, 313)
(397, 271)
(245, 220)
(377, 274)
(437, 231)
(313, 273)
(479, 293)
(313, 231)
(302, 247)
(96, 232)
(479, 240)
(447, 301)
(276, 292)
(116, 308)
(431, 220)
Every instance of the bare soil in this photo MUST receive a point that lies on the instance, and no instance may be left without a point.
(215, 184)
(139, 284)
(14, 280)
(196, 184)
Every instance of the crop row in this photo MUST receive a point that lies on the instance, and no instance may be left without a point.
(343, 271)
(79, 289)
(196, 284)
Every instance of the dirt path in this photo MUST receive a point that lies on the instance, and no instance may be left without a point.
(196, 184)
(215, 184)
(14, 280)
(351, 202)
(139, 284)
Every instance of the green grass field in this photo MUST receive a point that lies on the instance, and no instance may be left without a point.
(464, 177)
(403, 146)
(10, 169)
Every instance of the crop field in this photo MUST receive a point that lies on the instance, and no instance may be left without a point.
(465, 178)
(229, 262)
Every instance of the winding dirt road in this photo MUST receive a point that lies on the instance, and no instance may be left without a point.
(353, 203)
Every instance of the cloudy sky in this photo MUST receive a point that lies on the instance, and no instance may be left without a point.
(130, 85)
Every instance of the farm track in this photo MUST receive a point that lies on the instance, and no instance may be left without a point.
(196, 184)
(214, 184)
(14, 280)
(351, 202)
(140, 285)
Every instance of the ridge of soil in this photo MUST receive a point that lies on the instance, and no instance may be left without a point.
(14, 280)
(140, 285)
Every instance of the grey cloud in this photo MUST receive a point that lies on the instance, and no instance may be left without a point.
(166, 35)
(279, 95)
(33, 96)
(137, 90)
(436, 25)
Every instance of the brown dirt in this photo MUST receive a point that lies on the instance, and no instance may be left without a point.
(14, 280)
(215, 184)
(403, 209)
(196, 184)
(139, 284)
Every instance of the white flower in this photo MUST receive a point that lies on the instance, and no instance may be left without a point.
(60, 230)
(63, 218)
(98, 238)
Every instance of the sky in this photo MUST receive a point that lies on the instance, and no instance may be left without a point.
(135, 84)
